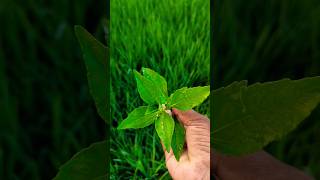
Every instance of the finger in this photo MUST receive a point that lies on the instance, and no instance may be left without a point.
(216, 177)
(215, 157)
(187, 117)
(197, 133)
(182, 116)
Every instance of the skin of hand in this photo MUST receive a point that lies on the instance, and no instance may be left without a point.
(194, 163)
(256, 166)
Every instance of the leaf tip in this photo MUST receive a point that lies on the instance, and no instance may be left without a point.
(120, 126)
(78, 29)
(135, 72)
(168, 149)
(144, 69)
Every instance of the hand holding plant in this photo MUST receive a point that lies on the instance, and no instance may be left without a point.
(245, 117)
(153, 90)
(194, 162)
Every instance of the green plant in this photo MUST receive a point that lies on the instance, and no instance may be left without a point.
(152, 88)
(91, 162)
(169, 37)
(268, 52)
(246, 118)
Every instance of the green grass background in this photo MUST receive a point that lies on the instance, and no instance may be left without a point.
(46, 111)
(270, 40)
(171, 37)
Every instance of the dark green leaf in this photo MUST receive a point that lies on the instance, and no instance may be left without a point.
(95, 57)
(147, 90)
(165, 127)
(178, 139)
(138, 118)
(188, 98)
(159, 82)
(88, 164)
(246, 118)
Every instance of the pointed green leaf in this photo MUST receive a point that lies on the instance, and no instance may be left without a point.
(178, 139)
(246, 118)
(138, 118)
(159, 82)
(95, 57)
(165, 127)
(89, 163)
(146, 88)
(188, 98)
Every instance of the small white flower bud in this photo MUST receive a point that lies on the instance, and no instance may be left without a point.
(169, 112)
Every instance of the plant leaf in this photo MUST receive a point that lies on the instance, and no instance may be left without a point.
(159, 82)
(138, 118)
(178, 139)
(246, 118)
(89, 163)
(188, 98)
(165, 127)
(95, 58)
(147, 90)
(151, 109)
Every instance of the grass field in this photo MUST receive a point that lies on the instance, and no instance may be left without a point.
(46, 111)
(270, 40)
(171, 37)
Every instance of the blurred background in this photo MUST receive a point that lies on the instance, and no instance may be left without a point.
(46, 111)
(170, 37)
(270, 40)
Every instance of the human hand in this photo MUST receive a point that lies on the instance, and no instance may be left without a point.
(257, 166)
(194, 162)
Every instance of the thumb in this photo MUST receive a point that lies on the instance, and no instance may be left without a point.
(197, 133)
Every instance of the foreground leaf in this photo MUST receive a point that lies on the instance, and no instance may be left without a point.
(88, 164)
(246, 118)
(165, 127)
(159, 82)
(138, 118)
(147, 89)
(188, 98)
(151, 109)
(95, 57)
(178, 139)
